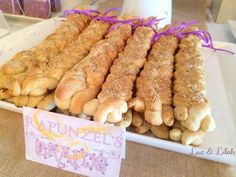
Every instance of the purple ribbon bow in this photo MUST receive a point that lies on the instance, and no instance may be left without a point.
(108, 19)
(150, 23)
(206, 39)
(135, 22)
(178, 31)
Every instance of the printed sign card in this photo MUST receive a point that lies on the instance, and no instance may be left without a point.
(80, 146)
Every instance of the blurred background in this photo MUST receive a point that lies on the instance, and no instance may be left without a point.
(216, 16)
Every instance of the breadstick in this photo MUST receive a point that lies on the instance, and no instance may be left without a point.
(118, 87)
(137, 119)
(144, 128)
(64, 35)
(187, 137)
(51, 46)
(175, 134)
(83, 82)
(48, 76)
(153, 96)
(192, 138)
(161, 132)
(191, 106)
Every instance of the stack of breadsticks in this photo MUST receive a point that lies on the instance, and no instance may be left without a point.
(192, 109)
(117, 73)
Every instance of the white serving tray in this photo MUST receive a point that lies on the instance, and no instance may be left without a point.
(220, 80)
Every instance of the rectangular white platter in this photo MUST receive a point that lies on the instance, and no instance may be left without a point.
(220, 83)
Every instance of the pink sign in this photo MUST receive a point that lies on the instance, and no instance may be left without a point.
(73, 144)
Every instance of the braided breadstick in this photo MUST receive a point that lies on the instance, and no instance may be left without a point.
(191, 105)
(153, 96)
(118, 87)
(83, 82)
(51, 46)
(46, 77)
(64, 35)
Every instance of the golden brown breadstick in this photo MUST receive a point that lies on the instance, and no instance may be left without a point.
(191, 106)
(192, 138)
(47, 77)
(51, 46)
(137, 119)
(83, 82)
(161, 131)
(118, 87)
(153, 96)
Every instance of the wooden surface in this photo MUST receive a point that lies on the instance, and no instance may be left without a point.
(141, 161)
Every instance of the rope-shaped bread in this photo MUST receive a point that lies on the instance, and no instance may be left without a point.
(83, 82)
(47, 76)
(154, 94)
(191, 106)
(22, 62)
(118, 87)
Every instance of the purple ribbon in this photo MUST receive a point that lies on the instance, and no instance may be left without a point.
(113, 19)
(108, 19)
(120, 22)
(174, 30)
(206, 39)
(178, 31)
(149, 23)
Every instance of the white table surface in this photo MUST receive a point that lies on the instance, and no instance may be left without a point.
(221, 32)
